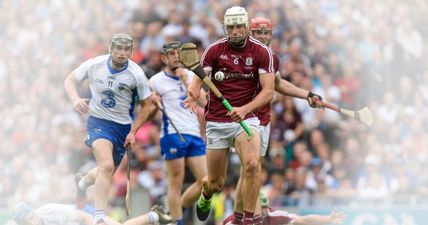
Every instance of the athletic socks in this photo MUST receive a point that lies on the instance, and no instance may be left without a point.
(179, 222)
(248, 218)
(99, 215)
(83, 184)
(153, 217)
(258, 219)
(238, 218)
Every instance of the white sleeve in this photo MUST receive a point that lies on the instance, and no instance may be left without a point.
(153, 84)
(143, 88)
(81, 72)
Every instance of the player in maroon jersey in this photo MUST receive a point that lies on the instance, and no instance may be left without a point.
(261, 29)
(247, 64)
(280, 217)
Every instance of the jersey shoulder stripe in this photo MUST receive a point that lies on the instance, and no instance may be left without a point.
(223, 40)
(257, 42)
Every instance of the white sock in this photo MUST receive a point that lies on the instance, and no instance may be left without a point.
(99, 214)
(83, 184)
(153, 217)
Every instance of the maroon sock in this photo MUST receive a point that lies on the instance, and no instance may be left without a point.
(248, 218)
(238, 217)
(258, 219)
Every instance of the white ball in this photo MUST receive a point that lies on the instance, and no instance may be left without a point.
(219, 76)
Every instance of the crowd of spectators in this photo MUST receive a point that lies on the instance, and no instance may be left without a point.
(353, 53)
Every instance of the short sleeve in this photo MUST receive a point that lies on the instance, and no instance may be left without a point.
(266, 60)
(143, 88)
(81, 72)
(208, 58)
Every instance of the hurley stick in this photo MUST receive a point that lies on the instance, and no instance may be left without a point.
(364, 115)
(190, 59)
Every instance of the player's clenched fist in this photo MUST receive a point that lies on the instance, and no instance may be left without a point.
(237, 114)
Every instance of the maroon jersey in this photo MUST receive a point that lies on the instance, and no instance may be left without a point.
(264, 112)
(241, 68)
(273, 217)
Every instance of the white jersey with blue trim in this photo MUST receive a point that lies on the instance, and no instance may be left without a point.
(57, 214)
(173, 92)
(114, 92)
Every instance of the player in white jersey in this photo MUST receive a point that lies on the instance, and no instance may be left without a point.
(171, 85)
(115, 83)
(60, 214)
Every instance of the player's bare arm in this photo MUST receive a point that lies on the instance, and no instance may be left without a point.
(263, 98)
(79, 104)
(288, 89)
(194, 92)
(146, 109)
(333, 218)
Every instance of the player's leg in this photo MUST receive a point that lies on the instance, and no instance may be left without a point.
(87, 180)
(198, 167)
(155, 216)
(217, 161)
(103, 151)
(196, 162)
(175, 170)
(238, 215)
(249, 153)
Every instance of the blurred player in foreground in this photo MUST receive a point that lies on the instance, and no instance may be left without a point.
(60, 214)
(261, 29)
(115, 83)
(171, 85)
(279, 217)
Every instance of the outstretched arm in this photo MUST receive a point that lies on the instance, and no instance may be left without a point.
(333, 218)
(288, 89)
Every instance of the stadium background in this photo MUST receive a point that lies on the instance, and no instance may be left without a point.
(353, 53)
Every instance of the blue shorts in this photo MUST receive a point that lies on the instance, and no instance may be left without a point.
(173, 148)
(114, 132)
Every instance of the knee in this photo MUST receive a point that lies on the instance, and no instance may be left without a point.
(216, 185)
(106, 168)
(252, 167)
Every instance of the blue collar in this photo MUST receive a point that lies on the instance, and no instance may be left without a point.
(171, 76)
(114, 71)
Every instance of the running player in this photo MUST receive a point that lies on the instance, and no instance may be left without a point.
(115, 83)
(261, 29)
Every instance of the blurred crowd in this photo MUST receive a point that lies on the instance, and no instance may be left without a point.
(355, 53)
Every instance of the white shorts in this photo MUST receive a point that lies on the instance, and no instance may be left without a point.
(264, 133)
(221, 135)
